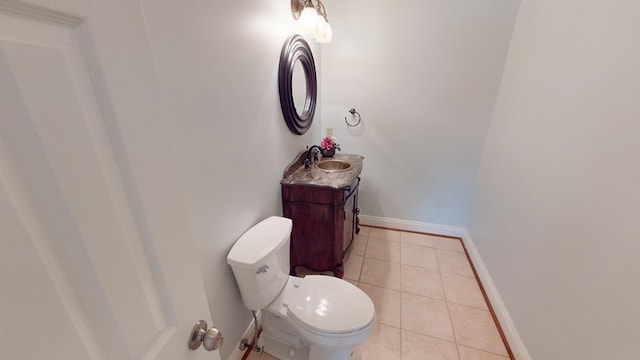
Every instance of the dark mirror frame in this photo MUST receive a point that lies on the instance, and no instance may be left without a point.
(296, 48)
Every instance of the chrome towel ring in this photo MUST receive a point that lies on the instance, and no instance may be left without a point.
(354, 114)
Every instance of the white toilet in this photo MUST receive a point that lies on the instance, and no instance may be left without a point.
(317, 317)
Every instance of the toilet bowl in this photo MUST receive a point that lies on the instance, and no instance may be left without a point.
(317, 317)
(329, 315)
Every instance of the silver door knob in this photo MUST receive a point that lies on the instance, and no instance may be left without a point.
(212, 338)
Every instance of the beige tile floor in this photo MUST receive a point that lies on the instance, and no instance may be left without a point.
(428, 302)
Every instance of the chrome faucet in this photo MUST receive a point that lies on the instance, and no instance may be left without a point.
(307, 161)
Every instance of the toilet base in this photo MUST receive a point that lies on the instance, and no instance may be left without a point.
(356, 354)
(283, 351)
(319, 353)
(282, 341)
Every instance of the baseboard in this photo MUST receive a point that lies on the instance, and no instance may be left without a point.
(407, 225)
(237, 354)
(499, 309)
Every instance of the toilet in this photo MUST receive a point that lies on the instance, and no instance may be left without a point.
(317, 317)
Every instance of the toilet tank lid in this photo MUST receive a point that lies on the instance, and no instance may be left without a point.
(260, 240)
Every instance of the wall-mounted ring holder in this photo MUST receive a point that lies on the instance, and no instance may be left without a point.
(354, 114)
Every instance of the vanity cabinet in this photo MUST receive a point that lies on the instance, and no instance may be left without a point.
(325, 221)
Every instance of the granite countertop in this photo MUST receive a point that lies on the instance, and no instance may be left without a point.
(296, 174)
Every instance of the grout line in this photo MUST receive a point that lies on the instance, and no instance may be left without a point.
(486, 299)
(400, 311)
(475, 275)
(446, 301)
(490, 307)
(364, 252)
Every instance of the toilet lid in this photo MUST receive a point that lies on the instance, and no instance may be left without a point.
(330, 305)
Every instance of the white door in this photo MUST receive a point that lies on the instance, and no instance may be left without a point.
(96, 257)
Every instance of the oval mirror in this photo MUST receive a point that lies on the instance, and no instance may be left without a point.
(299, 87)
(297, 112)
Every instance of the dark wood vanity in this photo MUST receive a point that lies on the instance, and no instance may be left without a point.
(324, 210)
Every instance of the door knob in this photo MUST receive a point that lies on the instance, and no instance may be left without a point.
(212, 338)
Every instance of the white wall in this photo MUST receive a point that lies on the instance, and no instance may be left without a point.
(562, 139)
(217, 64)
(556, 215)
(425, 88)
(424, 75)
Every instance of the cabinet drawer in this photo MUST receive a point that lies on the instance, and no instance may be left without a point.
(313, 194)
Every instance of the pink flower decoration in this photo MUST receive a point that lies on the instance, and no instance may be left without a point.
(326, 144)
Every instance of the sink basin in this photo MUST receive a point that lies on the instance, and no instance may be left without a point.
(333, 165)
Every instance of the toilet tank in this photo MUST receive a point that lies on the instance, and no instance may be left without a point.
(260, 261)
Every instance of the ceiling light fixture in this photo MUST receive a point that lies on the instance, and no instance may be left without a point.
(312, 19)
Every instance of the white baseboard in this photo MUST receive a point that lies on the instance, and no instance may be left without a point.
(436, 229)
(248, 334)
(508, 328)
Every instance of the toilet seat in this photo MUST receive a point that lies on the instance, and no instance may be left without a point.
(328, 305)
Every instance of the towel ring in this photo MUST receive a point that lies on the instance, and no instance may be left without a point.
(353, 113)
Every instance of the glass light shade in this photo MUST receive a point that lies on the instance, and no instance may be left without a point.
(327, 35)
(322, 28)
(309, 20)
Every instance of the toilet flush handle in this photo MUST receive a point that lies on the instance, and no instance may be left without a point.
(262, 269)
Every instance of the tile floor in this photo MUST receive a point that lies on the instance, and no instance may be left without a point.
(428, 303)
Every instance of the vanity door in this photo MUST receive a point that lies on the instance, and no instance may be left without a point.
(317, 238)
